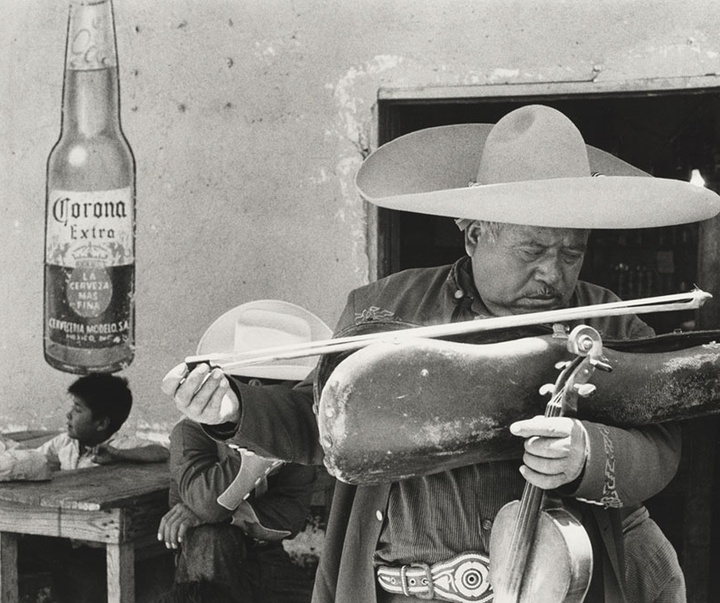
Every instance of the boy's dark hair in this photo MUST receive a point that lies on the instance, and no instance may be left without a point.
(200, 591)
(105, 395)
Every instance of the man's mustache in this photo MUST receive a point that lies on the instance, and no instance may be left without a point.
(546, 293)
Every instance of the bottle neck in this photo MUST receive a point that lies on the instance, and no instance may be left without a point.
(91, 97)
(91, 102)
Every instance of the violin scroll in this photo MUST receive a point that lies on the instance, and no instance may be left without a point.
(573, 383)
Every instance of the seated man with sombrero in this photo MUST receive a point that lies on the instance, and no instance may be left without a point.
(526, 192)
(231, 510)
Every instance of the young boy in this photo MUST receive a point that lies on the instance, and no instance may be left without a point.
(100, 404)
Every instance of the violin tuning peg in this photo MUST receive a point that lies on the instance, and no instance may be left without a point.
(585, 390)
(562, 364)
(601, 364)
(546, 389)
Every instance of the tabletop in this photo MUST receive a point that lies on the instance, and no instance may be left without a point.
(119, 506)
(92, 489)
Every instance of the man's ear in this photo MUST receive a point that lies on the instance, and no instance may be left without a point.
(472, 236)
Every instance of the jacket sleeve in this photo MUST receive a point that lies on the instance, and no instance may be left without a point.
(173, 494)
(282, 510)
(199, 471)
(628, 466)
(286, 503)
(276, 422)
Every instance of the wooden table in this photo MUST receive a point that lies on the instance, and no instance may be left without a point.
(117, 505)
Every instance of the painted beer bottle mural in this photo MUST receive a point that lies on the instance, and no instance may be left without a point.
(90, 212)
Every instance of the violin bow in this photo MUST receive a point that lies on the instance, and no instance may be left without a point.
(661, 303)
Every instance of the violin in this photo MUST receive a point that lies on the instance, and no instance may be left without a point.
(539, 551)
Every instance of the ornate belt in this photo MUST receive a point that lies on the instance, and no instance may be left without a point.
(462, 579)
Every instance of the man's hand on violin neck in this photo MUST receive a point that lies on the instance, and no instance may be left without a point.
(202, 395)
(555, 450)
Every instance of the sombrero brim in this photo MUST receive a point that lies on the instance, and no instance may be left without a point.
(429, 171)
(220, 338)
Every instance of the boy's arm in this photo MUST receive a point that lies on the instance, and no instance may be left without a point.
(107, 454)
(19, 464)
(130, 450)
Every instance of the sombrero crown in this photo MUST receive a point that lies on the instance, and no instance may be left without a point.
(264, 324)
(532, 167)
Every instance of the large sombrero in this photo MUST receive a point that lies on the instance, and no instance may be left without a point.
(532, 167)
(262, 324)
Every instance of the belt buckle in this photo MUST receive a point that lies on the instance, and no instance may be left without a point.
(426, 581)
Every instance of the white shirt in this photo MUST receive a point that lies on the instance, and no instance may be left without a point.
(65, 451)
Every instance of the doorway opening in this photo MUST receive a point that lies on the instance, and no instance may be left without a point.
(666, 134)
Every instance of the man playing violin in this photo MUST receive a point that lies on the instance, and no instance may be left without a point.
(526, 216)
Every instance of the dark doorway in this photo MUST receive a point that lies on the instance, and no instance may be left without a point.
(667, 134)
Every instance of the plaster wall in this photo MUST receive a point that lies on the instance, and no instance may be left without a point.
(248, 120)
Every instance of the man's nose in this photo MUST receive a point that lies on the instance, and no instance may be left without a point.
(549, 271)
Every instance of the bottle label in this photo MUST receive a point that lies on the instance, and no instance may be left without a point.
(89, 259)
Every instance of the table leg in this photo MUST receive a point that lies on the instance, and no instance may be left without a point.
(121, 572)
(8, 567)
